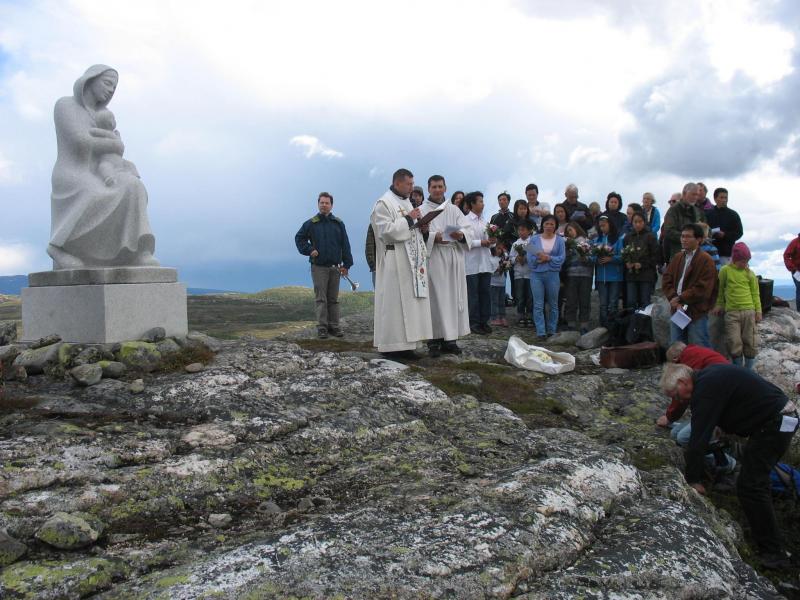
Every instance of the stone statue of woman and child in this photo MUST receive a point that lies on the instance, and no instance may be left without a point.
(106, 284)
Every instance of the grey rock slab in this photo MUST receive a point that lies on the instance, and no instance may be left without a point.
(102, 276)
(69, 531)
(90, 355)
(388, 365)
(35, 360)
(660, 319)
(593, 339)
(87, 375)
(139, 356)
(212, 344)
(168, 347)
(153, 335)
(11, 549)
(45, 341)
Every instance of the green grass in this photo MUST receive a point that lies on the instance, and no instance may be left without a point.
(265, 314)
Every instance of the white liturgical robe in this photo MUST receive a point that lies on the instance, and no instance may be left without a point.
(446, 276)
(402, 305)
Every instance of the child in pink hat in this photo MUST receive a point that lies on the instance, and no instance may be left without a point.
(740, 301)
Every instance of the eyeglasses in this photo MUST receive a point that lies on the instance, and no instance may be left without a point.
(672, 201)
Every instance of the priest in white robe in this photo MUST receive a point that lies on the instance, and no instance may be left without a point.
(402, 304)
(448, 239)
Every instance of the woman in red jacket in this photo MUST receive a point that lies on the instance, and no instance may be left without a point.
(791, 258)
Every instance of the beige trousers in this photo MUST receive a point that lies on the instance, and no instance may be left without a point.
(740, 333)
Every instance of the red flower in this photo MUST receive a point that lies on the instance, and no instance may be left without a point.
(422, 270)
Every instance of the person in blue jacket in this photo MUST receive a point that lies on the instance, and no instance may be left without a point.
(546, 254)
(652, 215)
(608, 273)
(323, 238)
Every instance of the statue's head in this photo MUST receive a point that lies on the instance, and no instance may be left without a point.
(95, 88)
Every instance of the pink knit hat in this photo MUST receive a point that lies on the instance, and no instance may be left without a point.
(740, 252)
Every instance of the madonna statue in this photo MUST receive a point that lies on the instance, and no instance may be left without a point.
(99, 204)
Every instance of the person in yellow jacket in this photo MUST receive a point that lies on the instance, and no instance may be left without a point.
(740, 300)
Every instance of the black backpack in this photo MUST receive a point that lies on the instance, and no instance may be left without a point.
(626, 327)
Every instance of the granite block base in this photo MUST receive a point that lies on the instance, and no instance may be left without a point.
(103, 313)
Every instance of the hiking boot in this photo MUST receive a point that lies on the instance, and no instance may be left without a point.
(322, 334)
(485, 329)
(434, 350)
(336, 332)
(451, 348)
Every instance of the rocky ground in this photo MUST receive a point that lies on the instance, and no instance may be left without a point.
(313, 468)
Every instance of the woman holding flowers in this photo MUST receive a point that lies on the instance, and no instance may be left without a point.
(641, 255)
(608, 266)
(579, 271)
(546, 254)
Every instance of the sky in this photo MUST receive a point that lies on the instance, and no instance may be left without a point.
(238, 113)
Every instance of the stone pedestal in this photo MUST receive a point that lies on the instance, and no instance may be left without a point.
(103, 305)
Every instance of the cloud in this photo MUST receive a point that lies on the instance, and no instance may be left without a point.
(313, 147)
(9, 172)
(17, 258)
(726, 104)
(587, 156)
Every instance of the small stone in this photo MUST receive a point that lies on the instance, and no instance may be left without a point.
(36, 360)
(565, 338)
(68, 531)
(10, 549)
(112, 369)
(136, 386)
(593, 339)
(87, 375)
(90, 355)
(196, 338)
(47, 340)
(168, 348)
(616, 371)
(194, 368)
(156, 334)
(269, 508)
(305, 504)
(220, 520)
(468, 379)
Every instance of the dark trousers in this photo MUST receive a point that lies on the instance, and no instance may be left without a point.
(579, 300)
(479, 299)
(608, 292)
(326, 295)
(524, 298)
(639, 293)
(761, 452)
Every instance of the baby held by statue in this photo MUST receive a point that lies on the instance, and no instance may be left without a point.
(110, 164)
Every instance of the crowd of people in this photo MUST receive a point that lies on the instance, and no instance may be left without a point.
(440, 270)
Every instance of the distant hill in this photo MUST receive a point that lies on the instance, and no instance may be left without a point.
(13, 284)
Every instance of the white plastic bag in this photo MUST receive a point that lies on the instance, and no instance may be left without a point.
(523, 355)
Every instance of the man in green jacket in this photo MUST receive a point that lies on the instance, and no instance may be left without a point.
(323, 239)
(684, 212)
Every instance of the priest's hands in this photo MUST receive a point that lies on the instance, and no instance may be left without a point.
(415, 214)
(457, 236)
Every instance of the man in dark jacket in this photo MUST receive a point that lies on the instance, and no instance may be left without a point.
(323, 239)
(690, 283)
(576, 211)
(724, 224)
(501, 218)
(739, 402)
(679, 214)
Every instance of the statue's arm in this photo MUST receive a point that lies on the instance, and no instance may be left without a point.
(103, 133)
(68, 124)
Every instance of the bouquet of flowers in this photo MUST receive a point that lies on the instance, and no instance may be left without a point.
(582, 248)
(522, 252)
(602, 250)
(494, 231)
(505, 265)
(631, 254)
